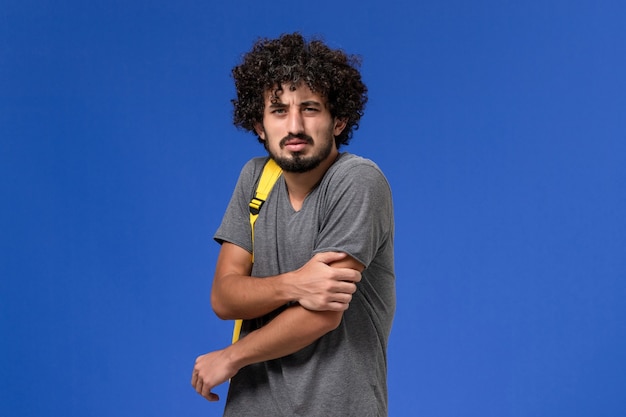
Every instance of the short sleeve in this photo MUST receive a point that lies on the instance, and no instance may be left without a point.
(235, 226)
(358, 212)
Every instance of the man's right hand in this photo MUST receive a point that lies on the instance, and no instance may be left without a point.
(327, 282)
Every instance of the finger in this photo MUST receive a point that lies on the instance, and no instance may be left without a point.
(337, 306)
(212, 397)
(330, 257)
(206, 393)
(198, 386)
(342, 298)
(344, 287)
(349, 275)
(356, 275)
(194, 378)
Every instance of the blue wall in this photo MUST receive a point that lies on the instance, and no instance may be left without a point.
(499, 125)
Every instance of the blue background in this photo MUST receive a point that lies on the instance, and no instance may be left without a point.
(500, 125)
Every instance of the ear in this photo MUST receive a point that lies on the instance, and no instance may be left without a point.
(340, 124)
(258, 128)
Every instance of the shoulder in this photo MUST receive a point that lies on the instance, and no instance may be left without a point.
(347, 162)
(354, 169)
(251, 171)
(254, 166)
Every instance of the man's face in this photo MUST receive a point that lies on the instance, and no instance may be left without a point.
(298, 130)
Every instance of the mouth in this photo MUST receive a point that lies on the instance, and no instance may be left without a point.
(295, 144)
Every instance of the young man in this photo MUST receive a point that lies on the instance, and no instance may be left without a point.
(319, 298)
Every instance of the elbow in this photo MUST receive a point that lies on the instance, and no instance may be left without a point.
(330, 321)
(220, 309)
(221, 314)
(336, 322)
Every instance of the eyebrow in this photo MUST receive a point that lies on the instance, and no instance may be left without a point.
(303, 104)
(311, 103)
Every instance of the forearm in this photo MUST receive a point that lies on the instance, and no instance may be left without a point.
(292, 330)
(289, 332)
(236, 296)
(325, 282)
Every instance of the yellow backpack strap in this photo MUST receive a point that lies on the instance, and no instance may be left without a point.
(269, 176)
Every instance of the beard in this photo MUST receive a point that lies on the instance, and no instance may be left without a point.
(297, 162)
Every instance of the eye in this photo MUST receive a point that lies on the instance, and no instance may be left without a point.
(311, 109)
(278, 111)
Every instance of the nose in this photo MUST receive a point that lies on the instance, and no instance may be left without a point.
(295, 123)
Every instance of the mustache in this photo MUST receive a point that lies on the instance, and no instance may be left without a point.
(300, 136)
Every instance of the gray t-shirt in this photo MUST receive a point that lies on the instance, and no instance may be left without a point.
(344, 373)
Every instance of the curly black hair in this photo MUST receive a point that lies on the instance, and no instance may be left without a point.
(291, 59)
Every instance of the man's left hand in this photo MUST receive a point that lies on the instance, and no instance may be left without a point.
(211, 370)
